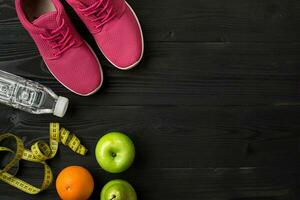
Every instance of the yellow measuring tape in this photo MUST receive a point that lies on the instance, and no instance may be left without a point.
(40, 152)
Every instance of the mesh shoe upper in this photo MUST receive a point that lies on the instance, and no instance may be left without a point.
(115, 28)
(65, 53)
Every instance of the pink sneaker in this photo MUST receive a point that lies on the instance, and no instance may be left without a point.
(67, 56)
(115, 28)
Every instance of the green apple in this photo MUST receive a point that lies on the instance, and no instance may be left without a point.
(118, 190)
(115, 152)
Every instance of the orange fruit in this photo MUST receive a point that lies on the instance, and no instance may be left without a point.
(74, 183)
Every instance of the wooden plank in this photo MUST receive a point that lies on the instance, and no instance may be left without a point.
(195, 20)
(180, 137)
(184, 74)
(179, 184)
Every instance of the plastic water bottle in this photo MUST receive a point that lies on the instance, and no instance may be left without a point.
(30, 96)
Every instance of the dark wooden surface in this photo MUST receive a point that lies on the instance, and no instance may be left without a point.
(214, 107)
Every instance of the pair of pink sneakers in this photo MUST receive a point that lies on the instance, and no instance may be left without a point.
(69, 58)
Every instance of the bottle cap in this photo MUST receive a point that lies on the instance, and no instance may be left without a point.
(61, 106)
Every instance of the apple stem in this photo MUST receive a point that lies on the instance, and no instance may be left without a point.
(113, 197)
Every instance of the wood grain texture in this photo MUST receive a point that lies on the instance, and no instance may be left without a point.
(185, 74)
(213, 108)
(197, 20)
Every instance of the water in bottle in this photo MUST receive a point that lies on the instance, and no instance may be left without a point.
(30, 96)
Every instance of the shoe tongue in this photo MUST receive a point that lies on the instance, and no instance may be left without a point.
(47, 21)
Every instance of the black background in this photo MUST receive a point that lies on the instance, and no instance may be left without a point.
(213, 108)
